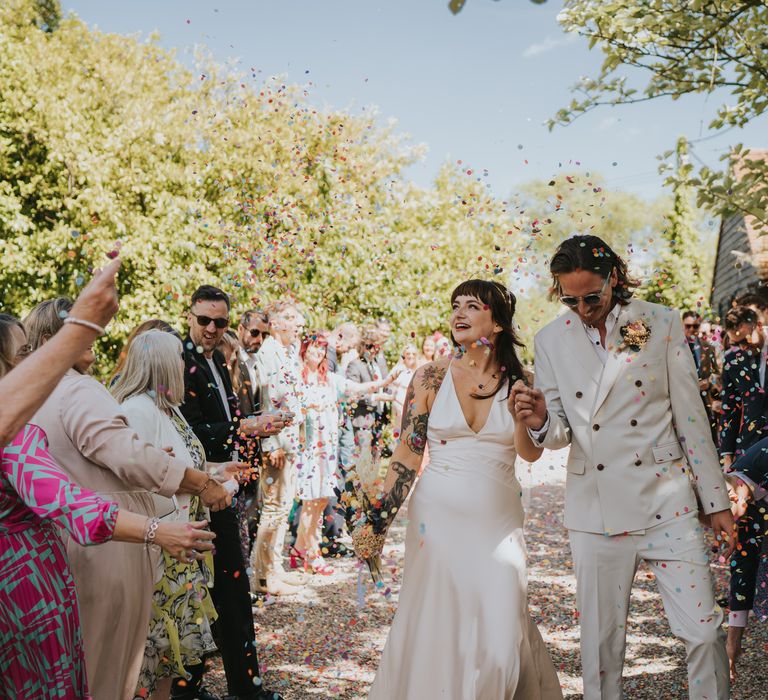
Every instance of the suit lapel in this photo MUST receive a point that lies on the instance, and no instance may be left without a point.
(615, 360)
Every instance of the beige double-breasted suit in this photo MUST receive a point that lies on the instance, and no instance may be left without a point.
(641, 457)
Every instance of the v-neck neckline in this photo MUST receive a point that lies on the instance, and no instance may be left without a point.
(461, 410)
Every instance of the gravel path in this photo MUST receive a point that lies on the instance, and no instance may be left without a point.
(326, 642)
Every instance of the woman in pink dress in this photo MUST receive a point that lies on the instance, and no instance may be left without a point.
(41, 648)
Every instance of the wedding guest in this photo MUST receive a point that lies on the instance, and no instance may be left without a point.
(408, 364)
(317, 465)
(757, 302)
(443, 347)
(342, 345)
(707, 366)
(43, 653)
(743, 420)
(25, 388)
(279, 374)
(149, 324)
(229, 347)
(365, 411)
(89, 437)
(251, 334)
(427, 350)
(212, 410)
(150, 390)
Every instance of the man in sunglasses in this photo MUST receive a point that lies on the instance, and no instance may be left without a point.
(707, 366)
(251, 333)
(616, 382)
(213, 411)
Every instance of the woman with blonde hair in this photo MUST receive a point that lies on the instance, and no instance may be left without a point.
(89, 437)
(41, 643)
(150, 389)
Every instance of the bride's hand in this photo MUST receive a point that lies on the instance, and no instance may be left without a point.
(527, 405)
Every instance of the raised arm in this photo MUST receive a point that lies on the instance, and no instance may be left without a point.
(405, 462)
(25, 388)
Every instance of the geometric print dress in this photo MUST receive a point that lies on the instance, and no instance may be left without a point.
(41, 646)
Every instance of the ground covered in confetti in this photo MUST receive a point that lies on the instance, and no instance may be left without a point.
(326, 642)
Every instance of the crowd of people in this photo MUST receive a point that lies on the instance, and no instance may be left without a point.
(223, 447)
(207, 445)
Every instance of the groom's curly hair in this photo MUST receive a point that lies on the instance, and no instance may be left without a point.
(593, 254)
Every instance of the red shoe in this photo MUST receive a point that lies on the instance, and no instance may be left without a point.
(295, 558)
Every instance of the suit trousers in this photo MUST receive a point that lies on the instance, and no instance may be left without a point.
(753, 528)
(234, 629)
(605, 569)
(278, 490)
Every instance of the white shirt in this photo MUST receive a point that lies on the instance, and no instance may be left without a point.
(219, 385)
(594, 333)
(763, 354)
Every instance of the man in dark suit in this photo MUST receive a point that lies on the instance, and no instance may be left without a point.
(707, 366)
(213, 411)
(743, 425)
(748, 484)
(743, 420)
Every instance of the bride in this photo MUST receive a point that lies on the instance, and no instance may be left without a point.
(462, 630)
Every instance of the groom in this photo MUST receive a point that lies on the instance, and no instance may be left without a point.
(615, 380)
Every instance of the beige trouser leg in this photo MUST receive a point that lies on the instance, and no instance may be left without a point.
(605, 568)
(278, 489)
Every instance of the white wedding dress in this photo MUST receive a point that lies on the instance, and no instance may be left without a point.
(462, 629)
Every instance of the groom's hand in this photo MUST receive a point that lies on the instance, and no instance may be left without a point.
(528, 406)
(725, 531)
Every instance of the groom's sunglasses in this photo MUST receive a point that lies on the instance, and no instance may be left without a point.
(589, 299)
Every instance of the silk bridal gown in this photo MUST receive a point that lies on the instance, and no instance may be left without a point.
(462, 630)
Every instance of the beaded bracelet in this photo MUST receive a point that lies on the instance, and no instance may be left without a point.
(149, 536)
(87, 324)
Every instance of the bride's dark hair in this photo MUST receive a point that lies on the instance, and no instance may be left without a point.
(502, 303)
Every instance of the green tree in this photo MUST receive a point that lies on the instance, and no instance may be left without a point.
(680, 275)
(683, 47)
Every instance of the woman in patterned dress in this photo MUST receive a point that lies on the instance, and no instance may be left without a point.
(150, 388)
(41, 650)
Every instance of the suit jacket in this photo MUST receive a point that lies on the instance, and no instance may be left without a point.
(743, 421)
(754, 465)
(641, 448)
(360, 371)
(203, 407)
(89, 437)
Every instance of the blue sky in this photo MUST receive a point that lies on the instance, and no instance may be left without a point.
(475, 87)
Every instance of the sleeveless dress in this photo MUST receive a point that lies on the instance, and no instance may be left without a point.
(462, 630)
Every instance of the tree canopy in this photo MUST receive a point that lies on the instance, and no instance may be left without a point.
(683, 47)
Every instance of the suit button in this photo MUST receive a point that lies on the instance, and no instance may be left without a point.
(638, 462)
(579, 394)
(633, 422)
(638, 383)
(600, 467)
(595, 427)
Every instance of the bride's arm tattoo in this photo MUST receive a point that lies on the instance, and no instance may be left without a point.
(432, 377)
(413, 429)
(395, 498)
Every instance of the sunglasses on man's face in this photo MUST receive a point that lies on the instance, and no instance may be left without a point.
(207, 321)
(695, 326)
(589, 299)
(255, 333)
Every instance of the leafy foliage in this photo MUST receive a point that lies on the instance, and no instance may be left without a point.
(684, 47)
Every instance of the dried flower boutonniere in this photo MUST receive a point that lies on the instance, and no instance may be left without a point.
(635, 335)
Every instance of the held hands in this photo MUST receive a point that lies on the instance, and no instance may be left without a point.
(527, 405)
(725, 530)
(185, 541)
(215, 496)
(266, 424)
(97, 303)
(740, 495)
(277, 458)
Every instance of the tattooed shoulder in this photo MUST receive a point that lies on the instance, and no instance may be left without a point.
(432, 376)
